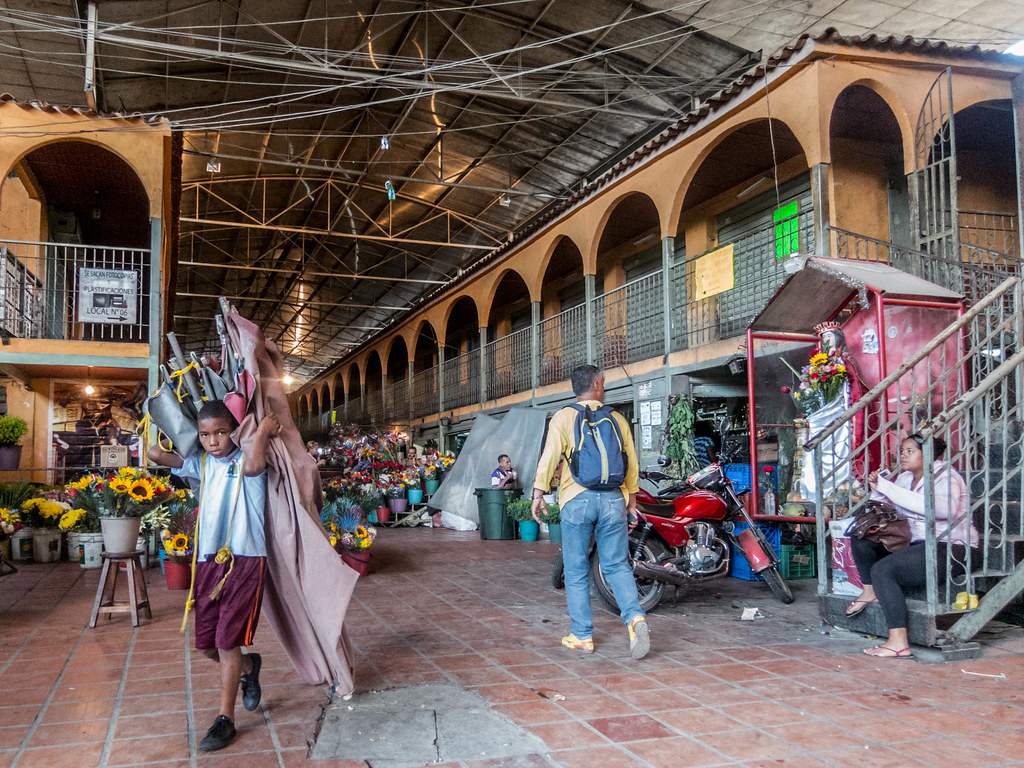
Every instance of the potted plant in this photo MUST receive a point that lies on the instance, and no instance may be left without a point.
(120, 500)
(43, 517)
(349, 534)
(84, 541)
(396, 497)
(521, 510)
(10, 523)
(551, 515)
(411, 478)
(177, 539)
(11, 430)
(12, 496)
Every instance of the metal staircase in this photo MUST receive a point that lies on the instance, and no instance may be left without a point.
(966, 387)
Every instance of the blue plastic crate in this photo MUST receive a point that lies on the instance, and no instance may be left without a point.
(738, 566)
(739, 474)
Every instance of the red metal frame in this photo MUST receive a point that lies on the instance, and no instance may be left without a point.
(880, 306)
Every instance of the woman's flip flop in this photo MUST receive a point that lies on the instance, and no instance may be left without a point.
(884, 652)
(862, 605)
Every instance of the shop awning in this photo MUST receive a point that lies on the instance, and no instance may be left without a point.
(822, 287)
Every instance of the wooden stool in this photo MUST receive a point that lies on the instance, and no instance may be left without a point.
(138, 597)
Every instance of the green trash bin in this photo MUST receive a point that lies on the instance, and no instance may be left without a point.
(490, 503)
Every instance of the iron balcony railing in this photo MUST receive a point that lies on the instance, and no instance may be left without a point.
(631, 322)
(424, 393)
(73, 292)
(461, 386)
(965, 387)
(508, 365)
(563, 344)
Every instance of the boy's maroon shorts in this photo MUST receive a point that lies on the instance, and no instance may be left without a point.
(229, 621)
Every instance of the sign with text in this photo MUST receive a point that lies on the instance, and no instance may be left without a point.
(714, 273)
(108, 295)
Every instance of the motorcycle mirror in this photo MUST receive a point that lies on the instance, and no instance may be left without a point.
(724, 426)
(664, 461)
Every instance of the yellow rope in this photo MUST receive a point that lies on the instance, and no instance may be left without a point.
(180, 375)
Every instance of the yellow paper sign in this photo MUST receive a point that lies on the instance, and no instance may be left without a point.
(714, 272)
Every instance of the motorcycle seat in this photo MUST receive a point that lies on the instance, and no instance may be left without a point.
(657, 510)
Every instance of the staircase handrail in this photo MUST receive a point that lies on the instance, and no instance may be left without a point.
(887, 245)
(923, 353)
(968, 399)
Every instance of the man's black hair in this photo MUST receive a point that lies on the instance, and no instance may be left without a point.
(583, 378)
(215, 409)
(502, 456)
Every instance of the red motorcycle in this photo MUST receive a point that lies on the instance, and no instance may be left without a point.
(683, 536)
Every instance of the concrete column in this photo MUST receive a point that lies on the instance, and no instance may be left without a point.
(589, 285)
(535, 310)
(410, 393)
(440, 378)
(668, 254)
(156, 301)
(344, 405)
(820, 199)
(483, 365)
(1017, 89)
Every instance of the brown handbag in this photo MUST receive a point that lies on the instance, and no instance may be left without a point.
(881, 524)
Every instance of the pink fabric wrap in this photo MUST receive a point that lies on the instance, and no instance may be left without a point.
(309, 587)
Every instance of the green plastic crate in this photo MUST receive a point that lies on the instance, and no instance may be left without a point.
(797, 561)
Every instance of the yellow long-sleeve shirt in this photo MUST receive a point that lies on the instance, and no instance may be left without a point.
(558, 445)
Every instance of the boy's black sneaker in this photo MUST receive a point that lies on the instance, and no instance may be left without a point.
(251, 692)
(219, 736)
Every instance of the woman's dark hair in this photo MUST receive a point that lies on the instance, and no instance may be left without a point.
(937, 442)
(215, 409)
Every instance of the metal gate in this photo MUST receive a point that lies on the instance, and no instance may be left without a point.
(935, 213)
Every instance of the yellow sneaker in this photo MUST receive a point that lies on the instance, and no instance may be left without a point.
(639, 637)
(586, 645)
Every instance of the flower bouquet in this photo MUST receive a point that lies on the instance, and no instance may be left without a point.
(10, 523)
(819, 383)
(43, 513)
(79, 520)
(128, 493)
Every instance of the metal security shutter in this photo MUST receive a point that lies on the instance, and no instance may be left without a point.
(750, 229)
(643, 263)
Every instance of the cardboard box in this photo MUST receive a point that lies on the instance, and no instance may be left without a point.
(845, 576)
(767, 453)
(114, 456)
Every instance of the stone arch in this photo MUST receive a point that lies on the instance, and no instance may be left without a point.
(557, 250)
(396, 359)
(339, 390)
(64, 169)
(461, 321)
(508, 283)
(562, 276)
(896, 106)
(629, 222)
(354, 377)
(867, 165)
(424, 346)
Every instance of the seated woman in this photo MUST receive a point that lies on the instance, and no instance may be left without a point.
(886, 574)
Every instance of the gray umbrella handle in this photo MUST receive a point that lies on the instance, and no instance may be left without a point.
(190, 382)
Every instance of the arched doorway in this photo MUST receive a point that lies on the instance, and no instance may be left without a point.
(424, 366)
(628, 313)
(870, 194)
(81, 214)
(461, 383)
(563, 332)
(508, 333)
(396, 396)
(374, 395)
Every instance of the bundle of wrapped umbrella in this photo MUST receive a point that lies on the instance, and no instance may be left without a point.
(309, 586)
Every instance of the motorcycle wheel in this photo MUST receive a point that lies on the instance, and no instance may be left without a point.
(777, 584)
(648, 591)
(558, 573)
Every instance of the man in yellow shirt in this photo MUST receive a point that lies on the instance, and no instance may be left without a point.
(587, 513)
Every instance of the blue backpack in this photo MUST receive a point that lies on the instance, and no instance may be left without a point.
(597, 459)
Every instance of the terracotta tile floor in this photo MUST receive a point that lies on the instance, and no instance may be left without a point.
(782, 691)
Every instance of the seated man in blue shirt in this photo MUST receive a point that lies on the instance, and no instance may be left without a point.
(504, 476)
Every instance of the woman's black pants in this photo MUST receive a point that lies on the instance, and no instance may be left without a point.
(892, 572)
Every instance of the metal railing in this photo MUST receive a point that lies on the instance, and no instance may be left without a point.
(978, 272)
(424, 393)
(991, 230)
(461, 380)
(964, 387)
(508, 365)
(73, 292)
(630, 322)
(563, 344)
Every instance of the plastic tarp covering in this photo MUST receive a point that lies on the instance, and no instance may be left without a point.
(519, 433)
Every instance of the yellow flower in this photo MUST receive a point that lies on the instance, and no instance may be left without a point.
(140, 490)
(70, 519)
(180, 543)
(334, 540)
(31, 504)
(361, 532)
(819, 359)
(180, 494)
(119, 485)
(51, 510)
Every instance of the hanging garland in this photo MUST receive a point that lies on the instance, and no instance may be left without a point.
(679, 436)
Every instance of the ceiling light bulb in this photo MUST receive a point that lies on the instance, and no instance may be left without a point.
(385, 143)
(505, 201)
(89, 389)
(390, 189)
(213, 166)
(287, 379)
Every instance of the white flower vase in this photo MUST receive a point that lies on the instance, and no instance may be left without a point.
(90, 545)
(120, 534)
(46, 545)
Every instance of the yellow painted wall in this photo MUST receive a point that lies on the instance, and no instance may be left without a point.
(859, 196)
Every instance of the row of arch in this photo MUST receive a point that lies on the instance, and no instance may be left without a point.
(630, 220)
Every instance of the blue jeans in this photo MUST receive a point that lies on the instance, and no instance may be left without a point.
(600, 515)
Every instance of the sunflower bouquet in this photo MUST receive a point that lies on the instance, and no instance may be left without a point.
(819, 383)
(346, 527)
(177, 522)
(129, 492)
